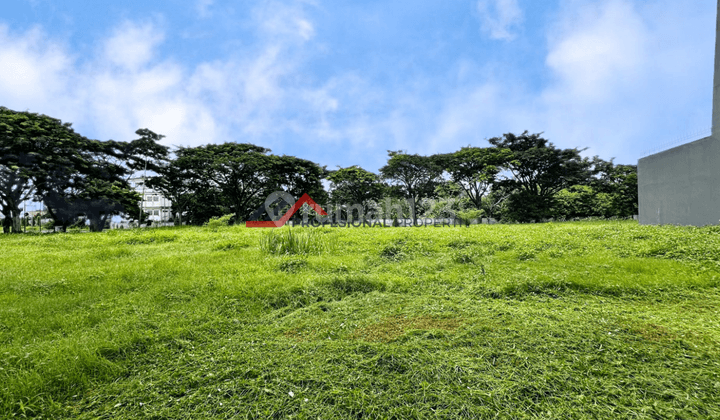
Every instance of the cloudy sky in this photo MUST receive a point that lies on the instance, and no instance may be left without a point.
(341, 82)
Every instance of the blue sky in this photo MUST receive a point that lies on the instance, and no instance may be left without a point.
(340, 82)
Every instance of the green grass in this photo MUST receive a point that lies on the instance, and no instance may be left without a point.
(565, 320)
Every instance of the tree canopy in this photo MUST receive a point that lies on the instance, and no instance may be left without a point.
(517, 177)
(355, 185)
(415, 176)
(47, 160)
(539, 171)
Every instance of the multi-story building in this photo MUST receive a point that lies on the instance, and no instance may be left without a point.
(153, 203)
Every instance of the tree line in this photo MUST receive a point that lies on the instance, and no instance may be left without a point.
(519, 178)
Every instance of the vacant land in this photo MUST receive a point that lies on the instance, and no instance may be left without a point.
(566, 320)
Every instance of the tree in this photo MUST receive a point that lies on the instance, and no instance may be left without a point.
(620, 183)
(216, 179)
(299, 176)
(176, 185)
(475, 170)
(578, 201)
(93, 179)
(539, 170)
(414, 176)
(22, 137)
(71, 174)
(355, 185)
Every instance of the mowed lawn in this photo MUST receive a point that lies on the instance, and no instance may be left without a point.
(563, 320)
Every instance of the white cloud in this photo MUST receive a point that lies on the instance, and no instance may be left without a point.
(603, 49)
(626, 74)
(132, 45)
(619, 73)
(34, 71)
(622, 76)
(283, 22)
(498, 17)
(128, 84)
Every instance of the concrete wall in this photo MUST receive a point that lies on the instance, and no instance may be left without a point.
(681, 186)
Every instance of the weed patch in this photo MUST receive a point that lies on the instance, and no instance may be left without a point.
(292, 265)
(296, 242)
(393, 252)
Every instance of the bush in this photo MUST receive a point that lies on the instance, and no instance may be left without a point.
(468, 216)
(217, 222)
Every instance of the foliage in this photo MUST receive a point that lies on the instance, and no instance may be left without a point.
(576, 201)
(415, 177)
(469, 216)
(299, 176)
(522, 178)
(539, 170)
(71, 174)
(394, 208)
(618, 184)
(355, 185)
(217, 222)
(475, 170)
(214, 179)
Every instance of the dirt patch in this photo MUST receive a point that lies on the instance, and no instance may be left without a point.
(653, 332)
(393, 327)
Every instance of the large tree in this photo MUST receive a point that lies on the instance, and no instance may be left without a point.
(71, 174)
(299, 176)
(239, 174)
(210, 180)
(475, 170)
(24, 137)
(539, 170)
(355, 185)
(620, 183)
(92, 179)
(414, 177)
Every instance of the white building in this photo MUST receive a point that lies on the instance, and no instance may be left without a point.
(153, 203)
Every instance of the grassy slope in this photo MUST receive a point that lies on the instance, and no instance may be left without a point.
(604, 320)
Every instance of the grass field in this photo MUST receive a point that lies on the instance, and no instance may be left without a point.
(566, 320)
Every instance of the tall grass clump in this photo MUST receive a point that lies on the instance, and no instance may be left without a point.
(217, 222)
(294, 242)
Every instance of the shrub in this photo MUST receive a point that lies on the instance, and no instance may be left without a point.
(468, 216)
(217, 222)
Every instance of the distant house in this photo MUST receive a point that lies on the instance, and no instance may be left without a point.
(158, 208)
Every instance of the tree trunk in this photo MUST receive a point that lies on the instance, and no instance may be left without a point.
(16, 224)
(413, 213)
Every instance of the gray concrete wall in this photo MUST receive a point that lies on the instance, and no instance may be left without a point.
(681, 186)
(716, 80)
